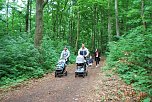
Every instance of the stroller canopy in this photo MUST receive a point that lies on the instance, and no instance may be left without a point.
(80, 59)
(61, 63)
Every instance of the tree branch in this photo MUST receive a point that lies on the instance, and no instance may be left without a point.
(44, 3)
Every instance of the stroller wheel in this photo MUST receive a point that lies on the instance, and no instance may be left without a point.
(75, 75)
(83, 75)
(55, 74)
(66, 73)
(87, 73)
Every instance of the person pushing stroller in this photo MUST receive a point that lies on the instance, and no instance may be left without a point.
(65, 55)
(81, 62)
(83, 51)
(62, 63)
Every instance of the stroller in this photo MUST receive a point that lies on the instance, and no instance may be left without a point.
(61, 68)
(90, 61)
(81, 67)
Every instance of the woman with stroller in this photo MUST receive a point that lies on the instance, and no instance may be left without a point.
(65, 55)
(83, 51)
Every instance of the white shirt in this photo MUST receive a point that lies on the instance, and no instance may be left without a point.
(65, 54)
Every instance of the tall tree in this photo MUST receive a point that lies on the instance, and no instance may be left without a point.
(142, 14)
(109, 21)
(30, 15)
(27, 16)
(7, 29)
(116, 16)
(40, 4)
(78, 31)
(95, 26)
(13, 11)
(20, 22)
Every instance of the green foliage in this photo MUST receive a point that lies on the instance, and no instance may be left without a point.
(147, 99)
(20, 60)
(131, 58)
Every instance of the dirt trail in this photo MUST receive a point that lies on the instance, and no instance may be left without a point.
(98, 86)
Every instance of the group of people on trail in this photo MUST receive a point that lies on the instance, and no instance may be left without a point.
(83, 51)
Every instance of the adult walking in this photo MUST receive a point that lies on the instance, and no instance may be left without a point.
(65, 55)
(83, 51)
(97, 57)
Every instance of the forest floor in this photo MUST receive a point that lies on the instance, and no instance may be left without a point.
(98, 86)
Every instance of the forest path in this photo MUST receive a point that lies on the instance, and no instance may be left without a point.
(98, 86)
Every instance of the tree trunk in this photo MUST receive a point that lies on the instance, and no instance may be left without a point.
(97, 27)
(94, 43)
(20, 22)
(40, 4)
(27, 16)
(30, 27)
(7, 16)
(70, 25)
(92, 33)
(142, 14)
(53, 24)
(12, 19)
(72, 31)
(126, 5)
(58, 19)
(70, 35)
(13, 10)
(116, 16)
(78, 31)
(101, 29)
(60, 28)
(93, 27)
(109, 22)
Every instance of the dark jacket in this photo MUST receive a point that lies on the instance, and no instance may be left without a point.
(98, 55)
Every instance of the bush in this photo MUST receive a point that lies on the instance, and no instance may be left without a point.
(20, 60)
(131, 58)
